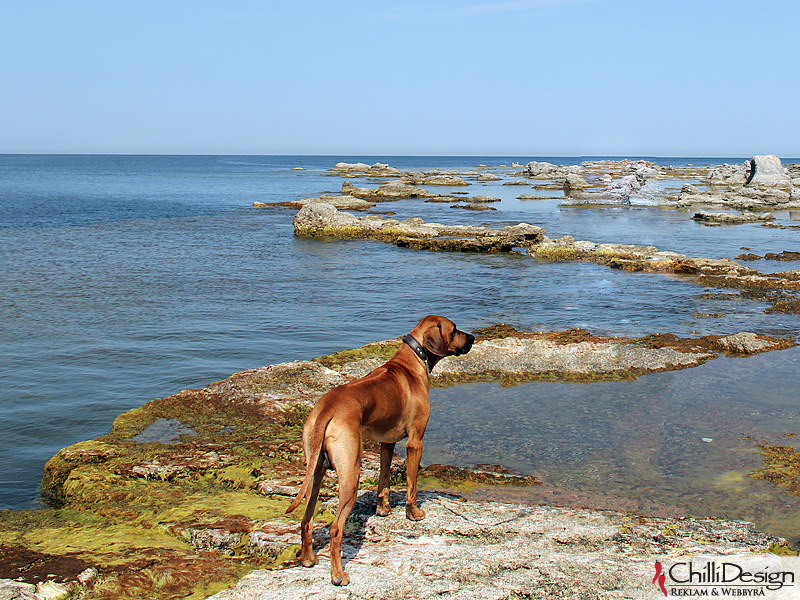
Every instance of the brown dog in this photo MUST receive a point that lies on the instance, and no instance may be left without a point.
(387, 405)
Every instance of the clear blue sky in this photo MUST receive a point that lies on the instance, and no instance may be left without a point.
(516, 77)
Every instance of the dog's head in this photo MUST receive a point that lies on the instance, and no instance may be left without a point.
(440, 336)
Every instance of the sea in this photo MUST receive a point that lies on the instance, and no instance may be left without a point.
(127, 278)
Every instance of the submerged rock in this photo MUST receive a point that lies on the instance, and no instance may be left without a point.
(785, 307)
(731, 219)
(474, 206)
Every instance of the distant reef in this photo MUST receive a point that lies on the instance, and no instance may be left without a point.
(759, 184)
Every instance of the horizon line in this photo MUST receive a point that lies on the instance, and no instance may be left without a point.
(199, 154)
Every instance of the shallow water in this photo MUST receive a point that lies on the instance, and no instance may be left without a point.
(666, 444)
(130, 278)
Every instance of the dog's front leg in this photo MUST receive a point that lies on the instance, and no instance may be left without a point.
(413, 457)
(384, 481)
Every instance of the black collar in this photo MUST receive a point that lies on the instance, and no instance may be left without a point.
(414, 345)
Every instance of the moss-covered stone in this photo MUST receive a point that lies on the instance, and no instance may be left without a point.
(477, 244)
(785, 307)
(380, 350)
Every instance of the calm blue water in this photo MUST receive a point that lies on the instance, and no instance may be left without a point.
(126, 278)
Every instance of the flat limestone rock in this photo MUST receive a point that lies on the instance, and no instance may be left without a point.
(746, 342)
(730, 218)
(534, 357)
(469, 549)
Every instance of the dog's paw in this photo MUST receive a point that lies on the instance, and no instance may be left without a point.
(309, 561)
(414, 513)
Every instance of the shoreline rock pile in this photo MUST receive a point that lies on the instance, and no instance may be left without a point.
(762, 182)
(187, 493)
(325, 221)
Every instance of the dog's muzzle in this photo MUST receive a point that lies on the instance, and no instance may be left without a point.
(467, 345)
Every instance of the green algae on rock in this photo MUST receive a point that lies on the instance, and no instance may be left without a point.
(438, 476)
(780, 466)
(325, 221)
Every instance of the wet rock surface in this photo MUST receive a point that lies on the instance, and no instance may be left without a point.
(769, 287)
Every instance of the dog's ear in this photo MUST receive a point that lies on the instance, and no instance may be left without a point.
(434, 341)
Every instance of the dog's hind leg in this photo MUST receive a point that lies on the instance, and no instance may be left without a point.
(345, 453)
(308, 557)
(384, 481)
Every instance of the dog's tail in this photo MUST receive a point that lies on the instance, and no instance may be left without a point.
(314, 461)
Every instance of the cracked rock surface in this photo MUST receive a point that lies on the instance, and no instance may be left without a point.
(487, 550)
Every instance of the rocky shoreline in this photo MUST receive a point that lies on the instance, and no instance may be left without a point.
(743, 191)
(186, 494)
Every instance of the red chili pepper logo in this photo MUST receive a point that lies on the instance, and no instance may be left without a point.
(660, 578)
